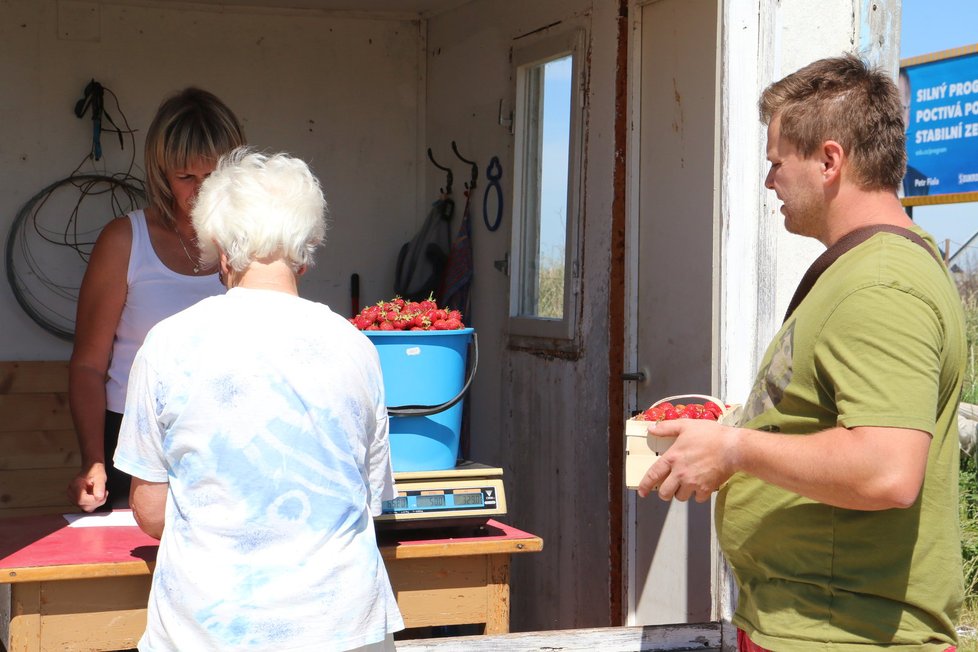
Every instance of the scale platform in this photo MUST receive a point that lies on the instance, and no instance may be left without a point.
(467, 494)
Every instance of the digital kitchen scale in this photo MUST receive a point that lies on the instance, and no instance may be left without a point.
(469, 493)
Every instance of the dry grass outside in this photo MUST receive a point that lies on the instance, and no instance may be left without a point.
(550, 298)
(968, 478)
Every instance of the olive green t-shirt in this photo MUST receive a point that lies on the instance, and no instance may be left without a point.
(879, 341)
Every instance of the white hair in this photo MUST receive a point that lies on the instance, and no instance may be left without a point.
(260, 207)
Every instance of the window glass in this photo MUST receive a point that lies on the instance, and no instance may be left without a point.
(545, 199)
(546, 179)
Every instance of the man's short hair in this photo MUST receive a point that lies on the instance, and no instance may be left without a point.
(845, 100)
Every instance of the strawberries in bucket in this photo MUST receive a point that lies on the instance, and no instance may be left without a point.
(400, 315)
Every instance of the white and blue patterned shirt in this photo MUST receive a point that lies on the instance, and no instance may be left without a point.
(265, 414)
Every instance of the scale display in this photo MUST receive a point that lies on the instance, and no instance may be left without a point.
(469, 491)
(419, 501)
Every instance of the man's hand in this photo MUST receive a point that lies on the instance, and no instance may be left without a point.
(87, 489)
(697, 463)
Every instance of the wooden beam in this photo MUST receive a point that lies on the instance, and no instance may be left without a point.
(31, 377)
(704, 637)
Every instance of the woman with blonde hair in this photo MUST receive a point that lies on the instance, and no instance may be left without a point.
(145, 266)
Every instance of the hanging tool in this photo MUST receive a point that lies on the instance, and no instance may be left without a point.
(475, 168)
(354, 294)
(94, 98)
(447, 190)
(494, 172)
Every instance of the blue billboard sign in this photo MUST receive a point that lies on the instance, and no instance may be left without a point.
(940, 99)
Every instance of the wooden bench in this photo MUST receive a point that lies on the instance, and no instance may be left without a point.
(38, 449)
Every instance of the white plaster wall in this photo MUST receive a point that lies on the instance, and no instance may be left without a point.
(541, 418)
(803, 33)
(762, 263)
(288, 74)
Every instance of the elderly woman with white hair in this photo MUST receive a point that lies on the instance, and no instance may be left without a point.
(256, 432)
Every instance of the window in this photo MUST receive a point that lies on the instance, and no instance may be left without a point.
(544, 285)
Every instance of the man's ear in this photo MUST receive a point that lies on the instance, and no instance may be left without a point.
(833, 157)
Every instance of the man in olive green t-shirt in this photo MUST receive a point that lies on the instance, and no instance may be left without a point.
(838, 506)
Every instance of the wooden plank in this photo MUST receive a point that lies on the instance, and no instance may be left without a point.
(706, 637)
(497, 594)
(102, 614)
(4, 617)
(25, 618)
(44, 411)
(35, 488)
(25, 377)
(446, 591)
(136, 567)
(14, 512)
(462, 547)
(38, 449)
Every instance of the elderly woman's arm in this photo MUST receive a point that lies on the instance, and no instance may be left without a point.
(148, 502)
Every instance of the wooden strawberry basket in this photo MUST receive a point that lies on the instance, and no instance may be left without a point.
(642, 448)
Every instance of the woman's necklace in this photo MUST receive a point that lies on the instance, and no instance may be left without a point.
(196, 265)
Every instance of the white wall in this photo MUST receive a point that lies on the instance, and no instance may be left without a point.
(288, 74)
(762, 263)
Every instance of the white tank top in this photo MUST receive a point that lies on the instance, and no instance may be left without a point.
(155, 293)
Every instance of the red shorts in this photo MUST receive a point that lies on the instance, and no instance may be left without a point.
(744, 644)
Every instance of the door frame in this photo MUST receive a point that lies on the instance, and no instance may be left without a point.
(738, 201)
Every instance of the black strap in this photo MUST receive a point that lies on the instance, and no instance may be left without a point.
(844, 244)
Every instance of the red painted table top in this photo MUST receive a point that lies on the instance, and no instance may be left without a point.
(46, 541)
(34, 547)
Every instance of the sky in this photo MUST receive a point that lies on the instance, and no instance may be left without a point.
(932, 26)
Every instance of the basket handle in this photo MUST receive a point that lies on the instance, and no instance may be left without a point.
(428, 410)
(705, 397)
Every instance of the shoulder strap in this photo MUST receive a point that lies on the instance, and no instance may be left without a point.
(844, 244)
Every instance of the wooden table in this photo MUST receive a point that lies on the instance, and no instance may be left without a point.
(70, 588)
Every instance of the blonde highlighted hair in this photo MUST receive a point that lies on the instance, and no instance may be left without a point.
(190, 125)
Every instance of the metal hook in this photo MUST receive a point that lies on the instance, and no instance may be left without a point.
(447, 190)
(475, 168)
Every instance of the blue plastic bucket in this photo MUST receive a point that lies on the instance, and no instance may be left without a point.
(423, 368)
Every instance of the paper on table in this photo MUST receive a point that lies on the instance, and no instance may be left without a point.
(117, 518)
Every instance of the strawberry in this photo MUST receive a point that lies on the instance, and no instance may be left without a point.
(654, 414)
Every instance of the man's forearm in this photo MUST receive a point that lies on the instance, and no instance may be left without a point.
(865, 468)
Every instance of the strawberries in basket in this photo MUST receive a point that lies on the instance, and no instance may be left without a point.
(666, 411)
